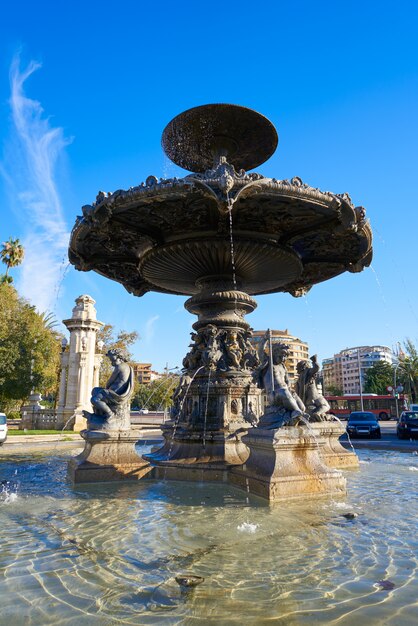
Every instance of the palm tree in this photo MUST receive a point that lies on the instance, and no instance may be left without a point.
(408, 368)
(49, 320)
(12, 255)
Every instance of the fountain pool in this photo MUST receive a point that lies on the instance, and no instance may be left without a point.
(109, 553)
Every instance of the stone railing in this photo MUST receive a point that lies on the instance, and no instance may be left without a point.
(42, 419)
(47, 419)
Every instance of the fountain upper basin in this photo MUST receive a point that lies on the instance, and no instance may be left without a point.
(168, 234)
(288, 235)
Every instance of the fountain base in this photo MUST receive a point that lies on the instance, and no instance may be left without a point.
(277, 464)
(286, 463)
(108, 456)
(188, 457)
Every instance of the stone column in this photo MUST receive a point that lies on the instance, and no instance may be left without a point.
(98, 358)
(81, 387)
(80, 362)
(63, 382)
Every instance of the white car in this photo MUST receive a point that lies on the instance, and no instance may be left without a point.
(3, 428)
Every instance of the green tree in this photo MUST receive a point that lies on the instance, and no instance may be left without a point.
(12, 255)
(122, 340)
(408, 369)
(29, 350)
(157, 395)
(333, 390)
(378, 377)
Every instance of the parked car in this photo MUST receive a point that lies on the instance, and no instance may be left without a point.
(3, 428)
(407, 427)
(363, 424)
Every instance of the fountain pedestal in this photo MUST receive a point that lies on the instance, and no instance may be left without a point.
(286, 463)
(108, 456)
(217, 399)
(333, 453)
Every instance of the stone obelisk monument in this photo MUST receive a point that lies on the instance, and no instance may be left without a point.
(80, 363)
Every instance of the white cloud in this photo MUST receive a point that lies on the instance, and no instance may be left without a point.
(149, 328)
(30, 171)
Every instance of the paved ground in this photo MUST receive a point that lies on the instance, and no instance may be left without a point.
(26, 442)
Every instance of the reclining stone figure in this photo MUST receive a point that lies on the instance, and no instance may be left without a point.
(111, 404)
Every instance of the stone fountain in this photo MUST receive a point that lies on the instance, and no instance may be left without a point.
(222, 235)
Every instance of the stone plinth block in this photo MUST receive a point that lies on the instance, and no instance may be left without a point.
(333, 453)
(188, 448)
(193, 473)
(188, 457)
(108, 456)
(286, 464)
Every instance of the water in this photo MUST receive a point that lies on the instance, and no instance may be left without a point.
(177, 418)
(231, 240)
(108, 554)
(389, 328)
(163, 382)
(63, 270)
(67, 422)
(405, 289)
(205, 419)
(337, 419)
(312, 323)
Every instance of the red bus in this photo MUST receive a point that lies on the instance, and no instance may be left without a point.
(384, 407)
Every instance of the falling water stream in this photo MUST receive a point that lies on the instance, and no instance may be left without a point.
(231, 239)
(67, 422)
(57, 443)
(177, 417)
(334, 417)
(310, 430)
(156, 389)
(400, 275)
(64, 267)
(206, 411)
(385, 305)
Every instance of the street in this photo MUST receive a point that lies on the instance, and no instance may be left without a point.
(389, 440)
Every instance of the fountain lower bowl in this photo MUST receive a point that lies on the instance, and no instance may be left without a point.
(259, 266)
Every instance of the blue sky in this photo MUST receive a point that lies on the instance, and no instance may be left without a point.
(86, 89)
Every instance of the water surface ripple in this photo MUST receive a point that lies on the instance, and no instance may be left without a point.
(109, 554)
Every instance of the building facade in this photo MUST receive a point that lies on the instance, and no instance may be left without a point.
(144, 374)
(347, 369)
(299, 350)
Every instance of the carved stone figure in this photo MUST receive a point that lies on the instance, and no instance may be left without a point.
(205, 351)
(250, 415)
(112, 403)
(283, 405)
(212, 353)
(250, 359)
(233, 350)
(316, 405)
(193, 358)
(179, 394)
